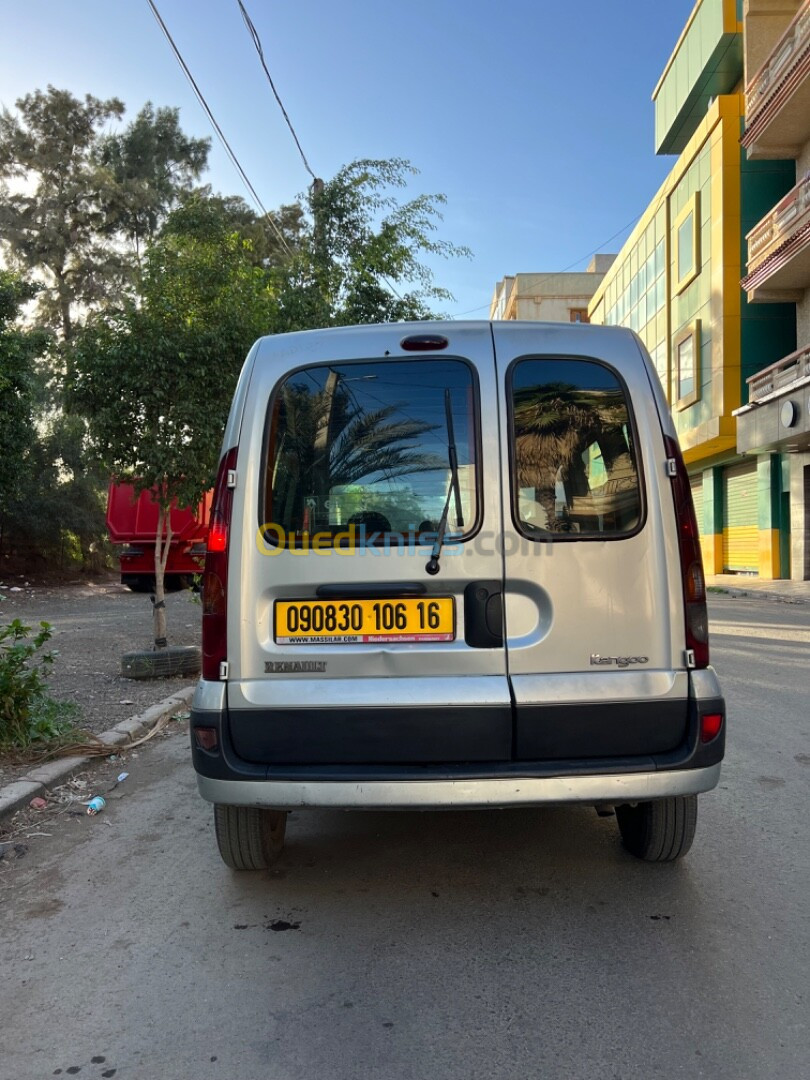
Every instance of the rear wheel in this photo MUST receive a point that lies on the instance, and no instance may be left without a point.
(248, 837)
(140, 583)
(659, 831)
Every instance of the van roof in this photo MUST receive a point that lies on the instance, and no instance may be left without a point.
(616, 344)
(451, 326)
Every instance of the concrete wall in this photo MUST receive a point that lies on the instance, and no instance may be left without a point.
(547, 297)
(600, 264)
(765, 22)
(798, 516)
(803, 320)
(803, 306)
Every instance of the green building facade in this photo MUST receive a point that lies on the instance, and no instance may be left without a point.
(676, 282)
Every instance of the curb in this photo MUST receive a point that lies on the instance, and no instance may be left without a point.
(19, 793)
(760, 594)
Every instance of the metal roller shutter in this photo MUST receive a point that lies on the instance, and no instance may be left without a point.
(697, 498)
(740, 519)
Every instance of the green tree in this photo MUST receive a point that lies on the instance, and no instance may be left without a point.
(77, 203)
(146, 170)
(156, 379)
(18, 351)
(51, 507)
(272, 239)
(361, 250)
(51, 216)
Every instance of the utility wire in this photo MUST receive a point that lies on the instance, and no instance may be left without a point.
(218, 129)
(254, 34)
(251, 29)
(650, 210)
(553, 273)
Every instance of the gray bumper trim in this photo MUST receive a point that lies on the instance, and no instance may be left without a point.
(458, 794)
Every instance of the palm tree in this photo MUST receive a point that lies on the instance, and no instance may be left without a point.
(328, 440)
(556, 424)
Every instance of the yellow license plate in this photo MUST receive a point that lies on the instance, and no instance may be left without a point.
(348, 622)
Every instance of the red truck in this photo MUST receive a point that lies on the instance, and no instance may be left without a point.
(132, 525)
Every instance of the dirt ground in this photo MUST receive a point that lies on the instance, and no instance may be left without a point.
(94, 622)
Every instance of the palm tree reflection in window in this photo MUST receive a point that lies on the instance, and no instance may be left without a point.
(576, 467)
(326, 441)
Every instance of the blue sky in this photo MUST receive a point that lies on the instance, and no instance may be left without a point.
(534, 119)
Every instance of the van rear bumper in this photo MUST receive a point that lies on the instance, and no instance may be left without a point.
(457, 794)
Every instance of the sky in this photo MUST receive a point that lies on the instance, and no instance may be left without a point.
(535, 120)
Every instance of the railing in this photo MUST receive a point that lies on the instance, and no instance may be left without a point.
(783, 373)
(785, 218)
(790, 45)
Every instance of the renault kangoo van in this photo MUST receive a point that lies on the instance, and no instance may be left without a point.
(454, 565)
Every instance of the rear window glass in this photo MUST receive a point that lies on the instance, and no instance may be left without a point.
(575, 467)
(365, 447)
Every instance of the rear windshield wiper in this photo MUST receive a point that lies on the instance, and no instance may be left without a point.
(433, 562)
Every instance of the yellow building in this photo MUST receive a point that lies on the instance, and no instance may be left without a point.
(676, 282)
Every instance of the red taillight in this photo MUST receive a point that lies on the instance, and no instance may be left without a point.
(207, 738)
(217, 538)
(694, 583)
(215, 576)
(710, 726)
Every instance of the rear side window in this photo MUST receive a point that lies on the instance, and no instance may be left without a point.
(575, 465)
(365, 447)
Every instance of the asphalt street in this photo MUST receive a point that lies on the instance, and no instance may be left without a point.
(521, 943)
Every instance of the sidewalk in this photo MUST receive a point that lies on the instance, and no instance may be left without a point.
(796, 592)
(16, 795)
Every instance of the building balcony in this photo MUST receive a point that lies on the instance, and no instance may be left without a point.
(777, 416)
(777, 98)
(779, 250)
(786, 374)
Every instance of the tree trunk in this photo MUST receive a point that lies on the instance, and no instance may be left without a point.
(161, 557)
(64, 304)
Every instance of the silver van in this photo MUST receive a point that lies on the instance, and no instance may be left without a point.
(454, 565)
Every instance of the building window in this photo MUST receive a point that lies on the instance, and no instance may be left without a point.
(687, 366)
(687, 244)
(578, 314)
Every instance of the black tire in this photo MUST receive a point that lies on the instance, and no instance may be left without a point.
(160, 663)
(659, 831)
(139, 583)
(248, 837)
(145, 583)
(176, 582)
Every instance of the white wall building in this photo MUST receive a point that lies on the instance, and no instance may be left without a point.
(554, 297)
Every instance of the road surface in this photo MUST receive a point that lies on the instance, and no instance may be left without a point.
(521, 943)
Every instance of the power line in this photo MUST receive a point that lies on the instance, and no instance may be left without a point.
(650, 211)
(254, 34)
(251, 29)
(221, 135)
(553, 273)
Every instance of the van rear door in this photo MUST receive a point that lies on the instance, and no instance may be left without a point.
(342, 647)
(593, 609)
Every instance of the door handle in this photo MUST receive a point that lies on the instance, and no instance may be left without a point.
(384, 590)
(483, 614)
